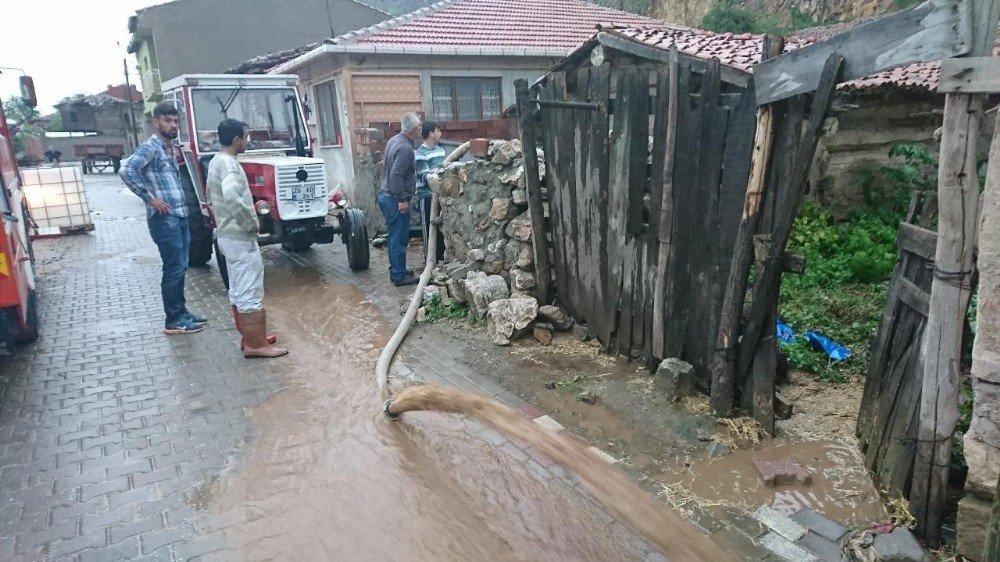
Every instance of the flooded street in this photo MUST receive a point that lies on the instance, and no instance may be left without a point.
(328, 477)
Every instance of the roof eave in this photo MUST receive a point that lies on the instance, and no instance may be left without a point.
(298, 62)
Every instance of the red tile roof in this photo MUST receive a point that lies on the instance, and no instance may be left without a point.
(557, 25)
(743, 51)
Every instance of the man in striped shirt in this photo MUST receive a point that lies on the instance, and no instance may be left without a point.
(152, 174)
(428, 159)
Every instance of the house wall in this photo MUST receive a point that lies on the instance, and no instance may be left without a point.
(394, 84)
(858, 139)
(210, 36)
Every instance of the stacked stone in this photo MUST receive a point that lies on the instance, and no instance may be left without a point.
(484, 214)
(488, 244)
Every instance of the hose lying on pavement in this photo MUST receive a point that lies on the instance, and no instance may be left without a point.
(385, 359)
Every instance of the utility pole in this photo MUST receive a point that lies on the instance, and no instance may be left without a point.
(131, 108)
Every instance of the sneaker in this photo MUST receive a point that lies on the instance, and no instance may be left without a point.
(408, 279)
(183, 326)
(194, 318)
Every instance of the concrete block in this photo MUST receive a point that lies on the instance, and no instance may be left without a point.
(819, 524)
(984, 467)
(779, 523)
(821, 547)
(786, 549)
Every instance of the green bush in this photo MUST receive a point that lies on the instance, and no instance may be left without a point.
(842, 292)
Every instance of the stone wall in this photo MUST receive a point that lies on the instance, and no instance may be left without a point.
(982, 440)
(484, 214)
(857, 140)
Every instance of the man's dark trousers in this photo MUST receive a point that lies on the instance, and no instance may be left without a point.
(398, 225)
(172, 238)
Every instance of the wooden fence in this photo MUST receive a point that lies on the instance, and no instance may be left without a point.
(607, 174)
(887, 420)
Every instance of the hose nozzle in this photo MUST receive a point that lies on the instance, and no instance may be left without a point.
(388, 414)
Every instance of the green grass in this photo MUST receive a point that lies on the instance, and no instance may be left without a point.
(842, 292)
(438, 311)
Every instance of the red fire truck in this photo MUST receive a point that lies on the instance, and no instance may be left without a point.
(18, 307)
(295, 206)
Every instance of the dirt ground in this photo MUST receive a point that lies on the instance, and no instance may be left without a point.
(672, 443)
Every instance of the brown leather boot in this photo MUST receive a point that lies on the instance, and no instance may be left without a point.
(236, 319)
(254, 328)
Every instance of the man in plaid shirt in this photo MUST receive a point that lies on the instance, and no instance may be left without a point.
(152, 174)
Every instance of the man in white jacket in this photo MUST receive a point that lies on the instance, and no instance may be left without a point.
(236, 232)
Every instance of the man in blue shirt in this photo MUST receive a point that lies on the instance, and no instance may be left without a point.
(152, 174)
(399, 183)
(428, 159)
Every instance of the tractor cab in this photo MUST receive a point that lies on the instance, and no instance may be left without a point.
(289, 186)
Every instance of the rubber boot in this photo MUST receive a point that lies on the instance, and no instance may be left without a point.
(271, 338)
(254, 328)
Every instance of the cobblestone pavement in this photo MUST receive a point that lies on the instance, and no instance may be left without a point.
(117, 442)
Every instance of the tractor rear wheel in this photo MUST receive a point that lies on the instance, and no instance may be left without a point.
(355, 236)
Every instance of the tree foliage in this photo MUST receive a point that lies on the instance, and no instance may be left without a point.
(20, 116)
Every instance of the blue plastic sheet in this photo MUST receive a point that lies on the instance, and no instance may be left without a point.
(785, 333)
(833, 350)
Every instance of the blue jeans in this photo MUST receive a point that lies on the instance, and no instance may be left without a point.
(399, 234)
(172, 237)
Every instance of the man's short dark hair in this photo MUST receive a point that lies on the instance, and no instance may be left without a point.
(229, 129)
(428, 128)
(164, 108)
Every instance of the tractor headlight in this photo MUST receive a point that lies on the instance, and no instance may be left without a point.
(263, 207)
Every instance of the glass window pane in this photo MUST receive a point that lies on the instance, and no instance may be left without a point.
(326, 104)
(441, 98)
(491, 98)
(467, 92)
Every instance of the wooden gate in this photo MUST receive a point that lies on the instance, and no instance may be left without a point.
(887, 421)
(604, 131)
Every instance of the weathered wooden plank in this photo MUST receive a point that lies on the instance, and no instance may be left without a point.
(723, 376)
(582, 201)
(610, 39)
(686, 155)
(765, 366)
(528, 140)
(934, 30)
(564, 147)
(704, 271)
(666, 121)
(917, 240)
(913, 297)
(604, 306)
(545, 128)
(638, 186)
(625, 79)
(958, 204)
(769, 279)
(976, 75)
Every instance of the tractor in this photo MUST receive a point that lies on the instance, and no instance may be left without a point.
(289, 186)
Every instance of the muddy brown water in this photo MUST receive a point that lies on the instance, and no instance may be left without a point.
(327, 477)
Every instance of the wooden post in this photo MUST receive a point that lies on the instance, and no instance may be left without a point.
(666, 209)
(536, 209)
(940, 352)
(723, 366)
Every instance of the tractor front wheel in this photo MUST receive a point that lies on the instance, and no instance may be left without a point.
(355, 235)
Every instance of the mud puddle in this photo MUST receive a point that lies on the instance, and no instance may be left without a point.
(328, 478)
(668, 441)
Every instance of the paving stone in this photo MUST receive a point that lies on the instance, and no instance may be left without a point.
(779, 523)
(784, 471)
(820, 546)
(786, 549)
(899, 546)
(828, 529)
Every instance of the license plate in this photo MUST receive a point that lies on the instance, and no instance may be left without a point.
(302, 193)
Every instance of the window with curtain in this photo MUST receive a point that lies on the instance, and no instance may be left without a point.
(465, 99)
(329, 115)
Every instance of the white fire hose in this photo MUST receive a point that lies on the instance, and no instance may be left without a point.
(385, 359)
